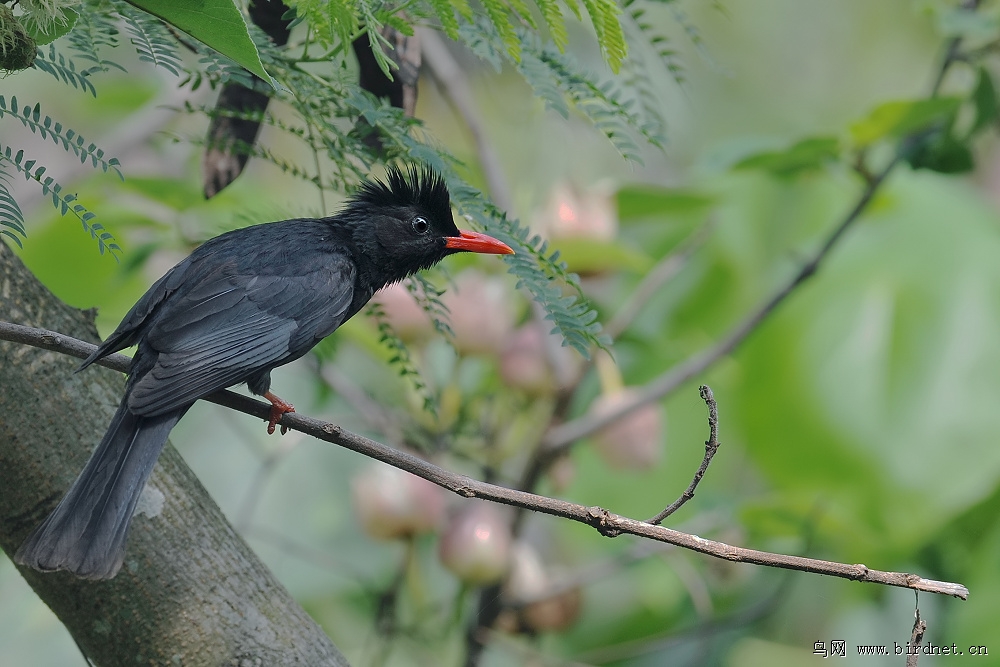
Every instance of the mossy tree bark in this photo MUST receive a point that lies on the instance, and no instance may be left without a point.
(191, 591)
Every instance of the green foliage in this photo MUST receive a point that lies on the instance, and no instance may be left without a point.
(497, 13)
(151, 40)
(218, 24)
(95, 30)
(942, 152)
(538, 269)
(896, 119)
(342, 21)
(805, 155)
(64, 203)
(10, 213)
(602, 103)
(332, 20)
(31, 117)
(604, 15)
(552, 14)
(445, 11)
(329, 105)
(216, 69)
(560, 81)
(64, 69)
(399, 356)
(640, 28)
(428, 297)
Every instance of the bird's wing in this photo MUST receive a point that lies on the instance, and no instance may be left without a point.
(232, 324)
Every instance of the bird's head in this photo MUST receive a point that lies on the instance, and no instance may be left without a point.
(406, 224)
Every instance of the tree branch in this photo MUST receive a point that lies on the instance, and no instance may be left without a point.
(711, 447)
(916, 639)
(664, 271)
(605, 522)
(455, 87)
(563, 436)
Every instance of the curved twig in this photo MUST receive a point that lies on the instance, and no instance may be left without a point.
(711, 447)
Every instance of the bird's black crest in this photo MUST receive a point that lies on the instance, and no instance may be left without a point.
(423, 188)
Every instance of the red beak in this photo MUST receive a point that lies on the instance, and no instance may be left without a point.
(476, 242)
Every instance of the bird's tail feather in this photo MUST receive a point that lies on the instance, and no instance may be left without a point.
(86, 532)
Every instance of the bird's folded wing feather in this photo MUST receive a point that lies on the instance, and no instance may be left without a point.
(230, 326)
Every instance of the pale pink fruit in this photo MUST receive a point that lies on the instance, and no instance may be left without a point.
(529, 580)
(392, 504)
(575, 213)
(476, 545)
(481, 312)
(407, 318)
(523, 364)
(634, 441)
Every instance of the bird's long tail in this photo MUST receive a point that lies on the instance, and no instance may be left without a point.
(86, 532)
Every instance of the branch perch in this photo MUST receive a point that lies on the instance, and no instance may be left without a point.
(605, 522)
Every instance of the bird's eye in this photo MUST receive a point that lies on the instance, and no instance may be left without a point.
(420, 225)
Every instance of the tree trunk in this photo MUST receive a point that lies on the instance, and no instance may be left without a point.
(191, 592)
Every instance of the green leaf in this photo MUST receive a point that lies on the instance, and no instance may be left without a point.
(552, 14)
(497, 12)
(445, 12)
(943, 153)
(984, 97)
(639, 202)
(216, 23)
(50, 28)
(805, 155)
(604, 16)
(591, 256)
(899, 118)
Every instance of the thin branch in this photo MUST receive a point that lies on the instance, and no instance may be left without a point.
(661, 274)
(562, 437)
(455, 86)
(605, 522)
(711, 447)
(916, 638)
(599, 570)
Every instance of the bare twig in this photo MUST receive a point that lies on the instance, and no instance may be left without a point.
(661, 274)
(916, 637)
(711, 447)
(598, 570)
(605, 522)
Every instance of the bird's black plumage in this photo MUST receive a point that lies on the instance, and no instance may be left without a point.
(240, 305)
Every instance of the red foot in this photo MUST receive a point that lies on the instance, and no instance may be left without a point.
(278, 408)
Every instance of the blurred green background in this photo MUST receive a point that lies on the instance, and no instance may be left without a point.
(859, 423)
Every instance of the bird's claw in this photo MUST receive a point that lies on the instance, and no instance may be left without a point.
(278, 408)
